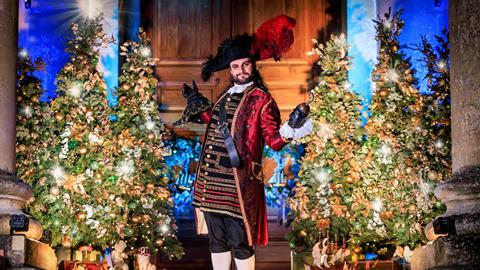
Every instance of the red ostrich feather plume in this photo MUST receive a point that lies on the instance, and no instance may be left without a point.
(273, 38)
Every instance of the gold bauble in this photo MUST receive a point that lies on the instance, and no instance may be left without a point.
(83, 150)
(383, 92)
(432, 175)
(34, 99)
(165, 180)
(126, 86)
(151, 136)
(150, 185)
(58, 116)
(302, 233)
(22, 148)
(159, 242)
(349, 179)
(135, 219)
(334, 140)
(357, 250)
(389, 125)
(348, 97)
(81, 215)
(19, 98)
(89, 113)
(112, 215)
(35, 135)
(412, 208)
(98, 175)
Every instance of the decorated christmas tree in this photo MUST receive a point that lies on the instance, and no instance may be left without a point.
(99, 178)
(31, 113)
(140, 134)
(329, 169)
(436, 107)
(395, 200)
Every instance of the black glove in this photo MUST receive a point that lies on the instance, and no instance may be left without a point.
(196, 104)
(192, 95)
(299, 116)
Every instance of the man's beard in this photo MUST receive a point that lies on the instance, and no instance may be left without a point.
(247, 80)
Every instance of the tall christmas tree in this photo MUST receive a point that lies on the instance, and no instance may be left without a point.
(30, 114)
(140, 135)
(98, 180)
(329, 168)
(436, 107)
(396, 196)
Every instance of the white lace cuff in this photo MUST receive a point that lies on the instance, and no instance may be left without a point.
(296, 133)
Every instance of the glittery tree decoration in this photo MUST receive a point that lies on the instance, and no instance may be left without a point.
(329, 169)
(99, 178)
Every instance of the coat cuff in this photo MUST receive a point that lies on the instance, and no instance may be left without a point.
(296, 133)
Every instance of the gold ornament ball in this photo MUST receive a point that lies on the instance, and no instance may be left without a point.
(135, 219)
(383, 92)
(35, 135)
(412, 208)
(83, 150)
(89, 113)
(81, 215)
(151, 136)
(159, 242)
(34, 99)
(432, 175)
(112, 215)
(302, 233)
(22, 148)
(19, 98)
(165, 180)
(348, 97)
(334, 140)
(126, 86)
(98, 175)
(59, 116)
(150, 185)
(357, 250)
(54, 190)
(349, 179)
(389, 125)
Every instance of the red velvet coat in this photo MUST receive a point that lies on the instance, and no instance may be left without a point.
(255, 122)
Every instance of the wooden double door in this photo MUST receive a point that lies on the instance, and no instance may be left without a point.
(185, 32)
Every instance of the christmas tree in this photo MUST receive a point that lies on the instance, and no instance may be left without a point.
(99, 178)
(140, 135)
(329, 168)
(395, 199)
(436, 107)
(30, 114)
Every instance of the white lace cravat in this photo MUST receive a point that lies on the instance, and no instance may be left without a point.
(238, 88)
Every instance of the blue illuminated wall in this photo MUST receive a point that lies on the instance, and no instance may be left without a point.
(362, 44)
(425, 17)
(45, 27)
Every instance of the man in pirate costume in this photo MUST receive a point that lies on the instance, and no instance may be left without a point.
(229, 196)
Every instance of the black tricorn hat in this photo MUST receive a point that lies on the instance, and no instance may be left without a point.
(231, 49)
(273, 38)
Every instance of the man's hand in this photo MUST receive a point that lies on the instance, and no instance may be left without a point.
(196, 103)
(299, 116)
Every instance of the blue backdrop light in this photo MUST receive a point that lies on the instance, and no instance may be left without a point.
(44, 28)
(427, 18)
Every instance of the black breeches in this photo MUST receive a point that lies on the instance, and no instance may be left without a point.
(226, 232)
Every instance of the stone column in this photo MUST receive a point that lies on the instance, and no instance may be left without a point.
(13, 191)
(461, 193)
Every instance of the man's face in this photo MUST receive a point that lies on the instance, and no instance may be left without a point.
(241, 70)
